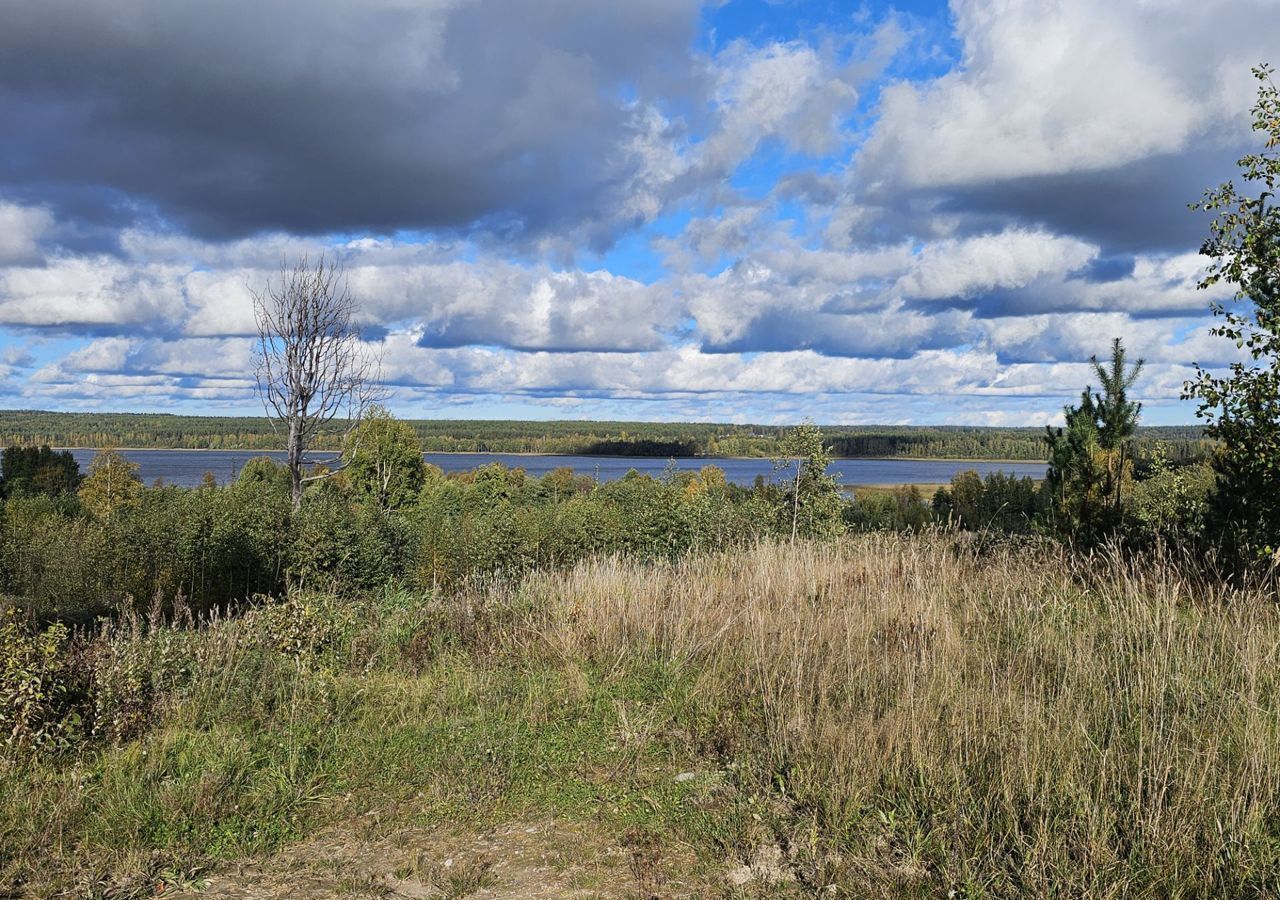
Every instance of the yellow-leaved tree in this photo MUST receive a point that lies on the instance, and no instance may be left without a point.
(111, 485)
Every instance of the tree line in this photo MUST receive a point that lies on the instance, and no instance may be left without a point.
(382, 514)
(572, 438)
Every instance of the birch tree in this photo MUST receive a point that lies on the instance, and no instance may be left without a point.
(312, 369)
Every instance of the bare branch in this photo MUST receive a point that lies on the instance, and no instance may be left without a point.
(312, 367)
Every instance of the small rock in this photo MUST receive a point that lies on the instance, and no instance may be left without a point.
(686, 776)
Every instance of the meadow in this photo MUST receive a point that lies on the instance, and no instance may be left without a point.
(883, 715)
(487, 683)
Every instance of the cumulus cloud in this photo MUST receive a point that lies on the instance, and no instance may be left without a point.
(785, 91)
(1009, 259)
(21, 229)
(447, 301)
(339, 115)
(1044, 87)
(1099, 119)
(796, 228)
(531, 308)
(92, 293)
(16, 356)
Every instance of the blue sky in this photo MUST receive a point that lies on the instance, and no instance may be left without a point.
(753, 210)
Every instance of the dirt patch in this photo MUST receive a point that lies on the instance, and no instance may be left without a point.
(536, 860)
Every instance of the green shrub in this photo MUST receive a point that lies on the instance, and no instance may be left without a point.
(998, 502)
(898, 509)
(135, 671)
(1172, 503)
(303, 626)
(37, 692)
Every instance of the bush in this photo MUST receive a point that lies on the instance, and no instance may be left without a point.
(304, 626)
(1171, 504)
(998, 502)
(898, 509)
(38, 697)
(135, 671)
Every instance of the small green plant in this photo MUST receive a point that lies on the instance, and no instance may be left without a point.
(134, 671)
(303, 626)
(37, 700)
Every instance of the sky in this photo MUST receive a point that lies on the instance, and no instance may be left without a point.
(749, 211)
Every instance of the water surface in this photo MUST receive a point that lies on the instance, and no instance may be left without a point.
(187, 467)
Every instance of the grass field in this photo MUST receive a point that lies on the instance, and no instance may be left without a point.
(884, 716)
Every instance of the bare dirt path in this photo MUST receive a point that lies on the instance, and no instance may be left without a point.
(535, 860)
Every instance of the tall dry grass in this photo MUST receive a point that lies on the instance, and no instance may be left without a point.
(899, 715)
(989, 722)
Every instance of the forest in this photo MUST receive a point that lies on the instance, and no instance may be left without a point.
(664, 439)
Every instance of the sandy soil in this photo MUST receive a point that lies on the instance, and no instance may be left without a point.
(535, 860)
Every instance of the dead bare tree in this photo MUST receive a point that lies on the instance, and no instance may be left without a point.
(311, 366)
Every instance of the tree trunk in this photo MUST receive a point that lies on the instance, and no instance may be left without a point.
(795, 504)
(294, 453)
(1120, 478)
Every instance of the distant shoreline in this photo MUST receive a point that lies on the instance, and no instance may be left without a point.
(710, 459)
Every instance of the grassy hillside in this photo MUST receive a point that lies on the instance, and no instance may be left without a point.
(883, 716)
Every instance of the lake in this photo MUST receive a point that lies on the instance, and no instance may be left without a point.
(187, 467)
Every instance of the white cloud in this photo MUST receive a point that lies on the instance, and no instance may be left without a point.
(201, 290)
(1007, 259)
(528, 307)
(89, 291)
(787, 91)
(21, 229)
(1047, 87)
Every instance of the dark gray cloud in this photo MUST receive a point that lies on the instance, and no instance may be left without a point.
(1090, 118)
(893, 335)
(1140, 207)
(1134, 208)
(236, 117)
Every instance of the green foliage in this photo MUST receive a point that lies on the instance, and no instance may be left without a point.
(383, 460)
(263, 470)
(38, 470)
(1091, 459)
(1243, 407)
(212, 546)
(207, 546)
(54, 559)
(111, 486)
(305, 626)
(36, 696)
(901, 508)
(1171, 504)
(322, 538)
(1074, 483)
(1117, 415)
(134, 670)
(998, 502)
(811, 504)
